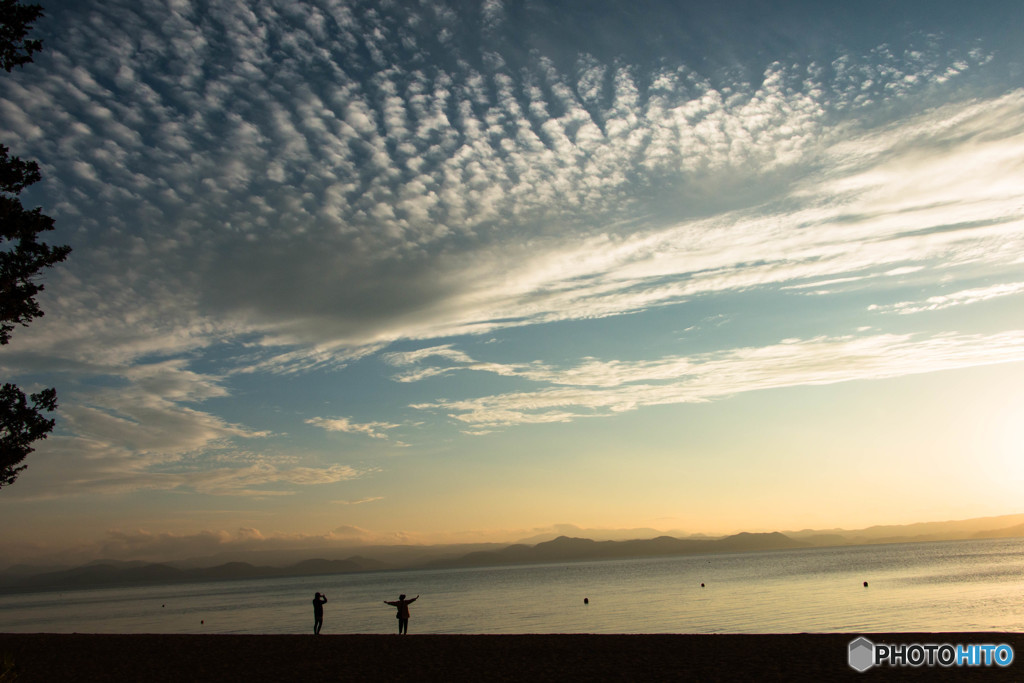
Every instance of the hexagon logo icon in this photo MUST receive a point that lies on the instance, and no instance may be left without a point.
(862, 654)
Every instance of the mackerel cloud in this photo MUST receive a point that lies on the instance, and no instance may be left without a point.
(335, 173)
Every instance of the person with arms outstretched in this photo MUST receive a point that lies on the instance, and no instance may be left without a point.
(403, 612)
(318, 612)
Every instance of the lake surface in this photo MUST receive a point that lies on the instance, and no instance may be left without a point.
(947, 586)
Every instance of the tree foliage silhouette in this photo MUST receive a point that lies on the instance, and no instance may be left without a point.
(22, 256)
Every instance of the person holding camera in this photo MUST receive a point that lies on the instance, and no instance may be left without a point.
(318, 612)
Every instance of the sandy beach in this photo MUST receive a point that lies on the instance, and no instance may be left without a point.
(85, 657)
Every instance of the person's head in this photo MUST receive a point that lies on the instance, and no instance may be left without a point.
(317, 595)
(402, 596)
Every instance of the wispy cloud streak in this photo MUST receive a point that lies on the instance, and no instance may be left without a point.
(375, 430)
(601, 388)
(940, 302)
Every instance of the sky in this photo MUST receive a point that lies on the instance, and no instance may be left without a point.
(450, 271)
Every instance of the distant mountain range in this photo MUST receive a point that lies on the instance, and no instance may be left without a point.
(112, 573)
(103, 573)
(565, 549)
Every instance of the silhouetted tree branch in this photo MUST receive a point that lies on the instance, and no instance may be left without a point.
(20, 425)
(15, 22)
(22, 256)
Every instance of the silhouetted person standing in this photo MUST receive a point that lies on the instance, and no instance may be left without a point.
(403, 612)
(318, 611)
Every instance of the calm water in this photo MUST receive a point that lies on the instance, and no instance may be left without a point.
(949, 586)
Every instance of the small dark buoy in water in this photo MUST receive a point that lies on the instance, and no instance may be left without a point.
(201, 621)
(702, 584)
(865, 584)
(586, 601)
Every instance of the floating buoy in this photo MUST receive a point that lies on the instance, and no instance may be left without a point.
(865, 584)
(586, 601)
(702, 585)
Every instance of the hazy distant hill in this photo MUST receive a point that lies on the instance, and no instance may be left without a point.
(564, 549)
(99, 574)
(387, 556)
(1008, 532)
(1004, 526)
(573, 531)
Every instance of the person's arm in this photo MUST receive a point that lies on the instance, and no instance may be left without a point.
(415, 599)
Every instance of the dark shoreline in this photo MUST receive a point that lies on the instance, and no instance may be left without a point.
(528, 657)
